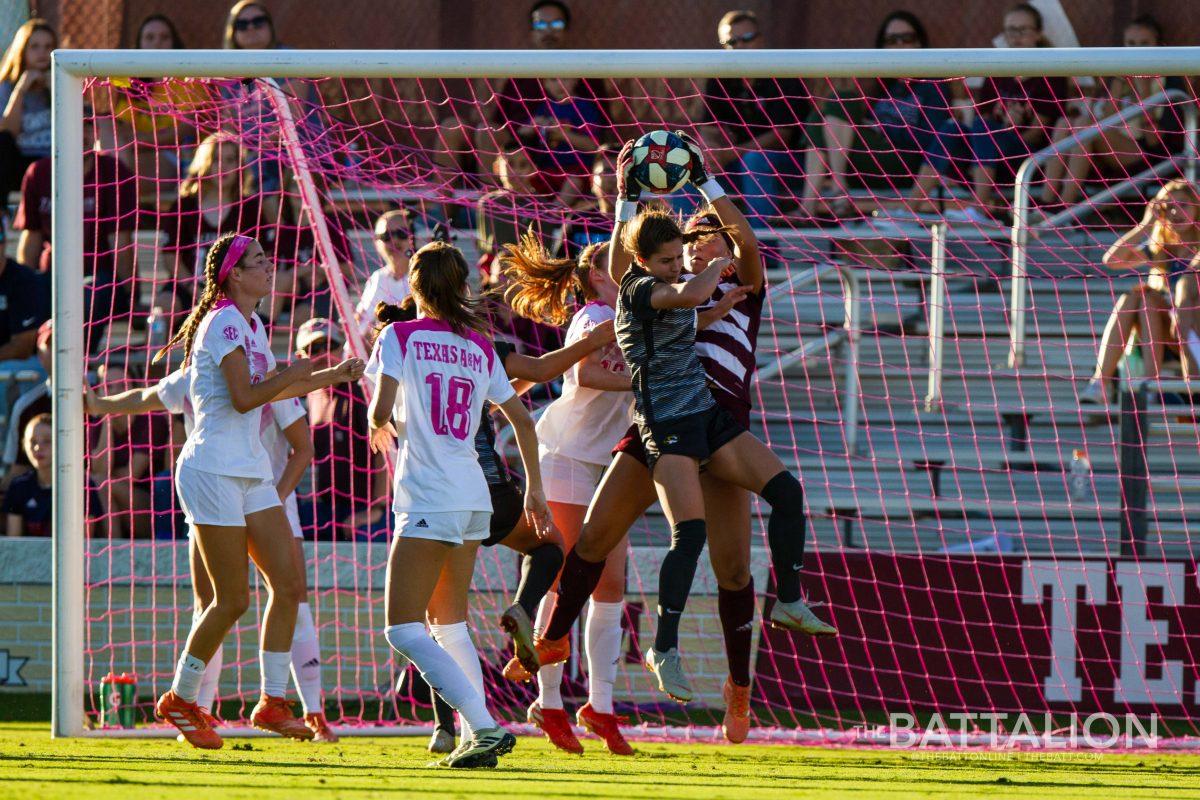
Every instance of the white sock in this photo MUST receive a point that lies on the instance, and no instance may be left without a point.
(550, 676)
(455, 639)
(207, 694)
(274, 668)
(603, 636)
(306, 661)
(188, 673)
(441, 671)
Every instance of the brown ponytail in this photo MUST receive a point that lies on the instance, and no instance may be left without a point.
(540, 284)
(438, 277)
(212, 293)
(388, 313)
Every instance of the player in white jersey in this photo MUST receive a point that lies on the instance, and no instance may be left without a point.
(224, 482)
(389, 283)
(289, 447)
(432, 376)
(576, 435)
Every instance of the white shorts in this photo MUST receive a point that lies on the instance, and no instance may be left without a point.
(567, 480)
(292, 509)
(211, 499)
(452, 527)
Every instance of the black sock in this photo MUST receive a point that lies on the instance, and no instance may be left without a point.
(539, 568)
(736, 609)
(443, 714)
(579, 579)
(675, 580)
(785, 533)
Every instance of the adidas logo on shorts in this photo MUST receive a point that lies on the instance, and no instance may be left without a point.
(421, 523)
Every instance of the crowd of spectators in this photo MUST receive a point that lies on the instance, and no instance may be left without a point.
(794, 150)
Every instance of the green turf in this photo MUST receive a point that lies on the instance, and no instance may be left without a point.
(34, 766)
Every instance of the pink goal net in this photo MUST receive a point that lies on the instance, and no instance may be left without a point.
(990, 532)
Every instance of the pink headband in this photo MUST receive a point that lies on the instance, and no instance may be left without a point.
(232, 256)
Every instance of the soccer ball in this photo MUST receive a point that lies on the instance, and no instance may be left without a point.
(662, 162)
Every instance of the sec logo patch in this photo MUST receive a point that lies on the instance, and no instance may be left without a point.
(671, 439)
(231, 333)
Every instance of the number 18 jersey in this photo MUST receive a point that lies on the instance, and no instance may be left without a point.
(444, 380)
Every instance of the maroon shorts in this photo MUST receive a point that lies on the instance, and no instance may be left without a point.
(631, 443)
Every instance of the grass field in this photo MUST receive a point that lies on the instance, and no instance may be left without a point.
(34, 766)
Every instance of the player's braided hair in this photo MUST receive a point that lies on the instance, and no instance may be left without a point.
(540, 284)
(438, 277)
(211, 294)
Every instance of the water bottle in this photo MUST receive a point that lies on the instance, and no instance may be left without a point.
(156, 328)
(1081, 475)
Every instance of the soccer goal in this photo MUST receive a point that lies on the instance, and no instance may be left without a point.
(934, 231)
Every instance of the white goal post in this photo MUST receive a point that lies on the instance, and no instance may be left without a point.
(71, 68)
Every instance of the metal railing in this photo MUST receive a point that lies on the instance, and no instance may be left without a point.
(937, 316)
(1020, 228)
(849, 334)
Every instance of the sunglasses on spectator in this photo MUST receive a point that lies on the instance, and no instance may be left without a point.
(549, 24)
(253, 22)
(745, 38)
(908, 37)
(397, 235)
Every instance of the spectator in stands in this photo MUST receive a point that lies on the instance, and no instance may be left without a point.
(25, 102)
(24, 306)
(1162, 311)
(560, 121)
(110, 207)
(27, 503)
(1013, 118)
(592, 218)
(880, 128)
(35, 401)
(149, 137)
(215, 198)
(249, 26)
(388, 284)
(1128, 148)
(754, 128)
(347, 477)
(501, 215)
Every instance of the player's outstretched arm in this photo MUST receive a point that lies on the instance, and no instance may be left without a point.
(527, 371)
(628, 194)
(693, 292)
(245, 396)
(346, 372)
(133, 401)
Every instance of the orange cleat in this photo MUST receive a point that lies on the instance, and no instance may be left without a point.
(274, 714)
(548, 652)
(212, 721)
(190, 719)
(736, 724)
(606, 727)
(555, 723)
(320, 728)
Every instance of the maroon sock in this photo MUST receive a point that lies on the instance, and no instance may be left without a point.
(579, 579)
(736, 609)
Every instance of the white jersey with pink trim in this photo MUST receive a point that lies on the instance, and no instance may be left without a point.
(223, 441)
(585, 424)
(444, 380)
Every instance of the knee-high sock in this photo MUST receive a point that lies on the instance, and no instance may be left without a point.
(455, 639)
(736, 609)
(538, 570)
(188, 673)
(206, 692)
(603, 652)
(306, 661)
(444, 675)
(675, 580)
(550, 676)
(785, 533)
(579, 579)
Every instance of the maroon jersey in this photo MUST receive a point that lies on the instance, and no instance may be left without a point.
(727, 347)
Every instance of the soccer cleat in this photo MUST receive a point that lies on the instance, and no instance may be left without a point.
(517, 625)
(548, 652)
(320, 728)
(212, 721)
(190, 719)
(668, 669)
(736, 724)
(442, 742)
(555, 723)
(606, 726)
(797, 616)
(482, 749)
(274, 714)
